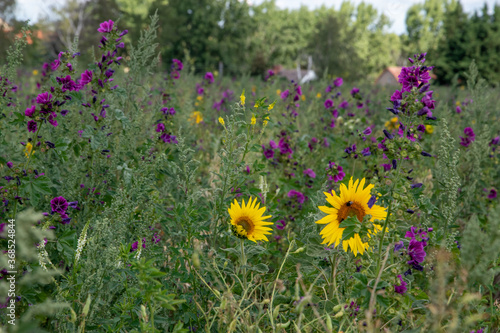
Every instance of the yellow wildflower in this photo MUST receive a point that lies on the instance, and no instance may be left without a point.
(278, 92)
(318, 95)
(458, 103)
(271, 106)
(265, 121)
(303, 97)
(196, 104)
(28, 149)
(253, 120)
(392, 124)
(196, 117)
(429, 129)
(242, 97)
(199, 97)
(35, 72)
(221, 121)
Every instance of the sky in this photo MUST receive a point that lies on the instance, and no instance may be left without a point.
(394, 9)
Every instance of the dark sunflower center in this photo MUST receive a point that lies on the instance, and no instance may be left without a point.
(245, 223)
(351, 208)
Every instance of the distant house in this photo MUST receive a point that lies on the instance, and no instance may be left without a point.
(38, 34)
(298, 74)
(389, 76)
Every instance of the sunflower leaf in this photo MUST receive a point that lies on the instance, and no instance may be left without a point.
(351, 225)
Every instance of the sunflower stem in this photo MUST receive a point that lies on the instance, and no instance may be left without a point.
(334, 278)
(244, 263)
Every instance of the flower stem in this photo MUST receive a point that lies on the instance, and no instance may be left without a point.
(244, 263)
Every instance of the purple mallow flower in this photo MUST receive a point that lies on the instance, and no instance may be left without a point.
(280, 224)
(335, 172)
(470, 136)
(106, 27)
(32, 126)
(298, 195)
(209, 77)
(86, 77)
(328, 103)
(338, 82)
(59, 205)
(310, 173)
(29, 112)
(401, 289)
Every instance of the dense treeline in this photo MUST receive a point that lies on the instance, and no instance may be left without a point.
(351, 41)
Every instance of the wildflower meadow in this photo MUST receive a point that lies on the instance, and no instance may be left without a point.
(138, 199)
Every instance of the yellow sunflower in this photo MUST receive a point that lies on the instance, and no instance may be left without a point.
(247, 220)
(352, 201)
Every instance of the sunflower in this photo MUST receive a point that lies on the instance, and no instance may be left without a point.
(247, 220)
(352, 201)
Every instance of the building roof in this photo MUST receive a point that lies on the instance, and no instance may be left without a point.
(395, 71)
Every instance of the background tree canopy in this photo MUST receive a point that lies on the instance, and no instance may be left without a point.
(352, 41)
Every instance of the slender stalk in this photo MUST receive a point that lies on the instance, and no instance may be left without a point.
(244, 263)
(334, 277)
(27, 163)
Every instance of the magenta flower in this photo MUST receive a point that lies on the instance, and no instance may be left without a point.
(458, 109)
(338, 82)
(52, 120)
(417, 254)
(335, 172)
(328, 103)
(86, 77)
(343, 105)
(401, 289)
(280, 224)
(59, 205)
(44, 98)
(177, 65)
(268, 153)
(30, 111)
(470, 136)
(398, 95)
(493, 194)
(209, 77)
(106, 27)
(310, 173)
(285, 94)
(160, 127)
(32, 126)
(297, 195)
(354, 91)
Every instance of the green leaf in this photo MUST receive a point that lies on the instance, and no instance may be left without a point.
(261, 268)
(351, 225)
(35, 188)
